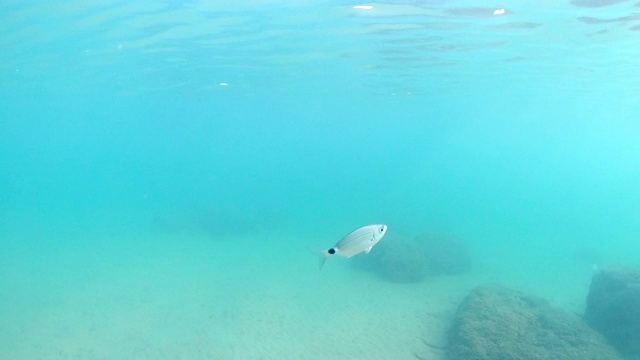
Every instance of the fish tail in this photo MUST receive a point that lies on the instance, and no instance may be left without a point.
(322, 255)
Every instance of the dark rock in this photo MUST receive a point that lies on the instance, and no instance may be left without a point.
(495, 323)
(444, 255)
(404, 260)
(613, 307)
(396, 258)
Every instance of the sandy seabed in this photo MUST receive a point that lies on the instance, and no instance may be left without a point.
(181, 296)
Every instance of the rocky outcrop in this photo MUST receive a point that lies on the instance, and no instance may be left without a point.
(405, 260)
(613, 308)
(496, 323)
(444, 255)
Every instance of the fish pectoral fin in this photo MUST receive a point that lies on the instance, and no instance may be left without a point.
(369, 249)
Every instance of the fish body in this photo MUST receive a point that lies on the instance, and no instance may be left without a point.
(355, 242)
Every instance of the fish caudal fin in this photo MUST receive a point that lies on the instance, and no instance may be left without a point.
(322, 255)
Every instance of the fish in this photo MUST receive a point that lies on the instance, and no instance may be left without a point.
(361, 239)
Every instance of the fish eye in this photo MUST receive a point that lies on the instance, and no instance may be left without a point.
(381, 229)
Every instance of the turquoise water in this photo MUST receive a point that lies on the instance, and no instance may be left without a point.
(165, 165)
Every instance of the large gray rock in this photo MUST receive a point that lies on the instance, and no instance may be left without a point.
(402, 259)
(444, 255)
(496, 323)
(396, 259)
(613, 307)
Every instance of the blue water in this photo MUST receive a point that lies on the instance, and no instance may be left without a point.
(165, 165)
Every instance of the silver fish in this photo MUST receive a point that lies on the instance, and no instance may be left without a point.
(355, 242)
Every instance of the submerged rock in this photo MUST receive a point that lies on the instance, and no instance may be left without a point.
(496, 323)
(404, 260)
(613, 307)
(397, 259)
(444, 255)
